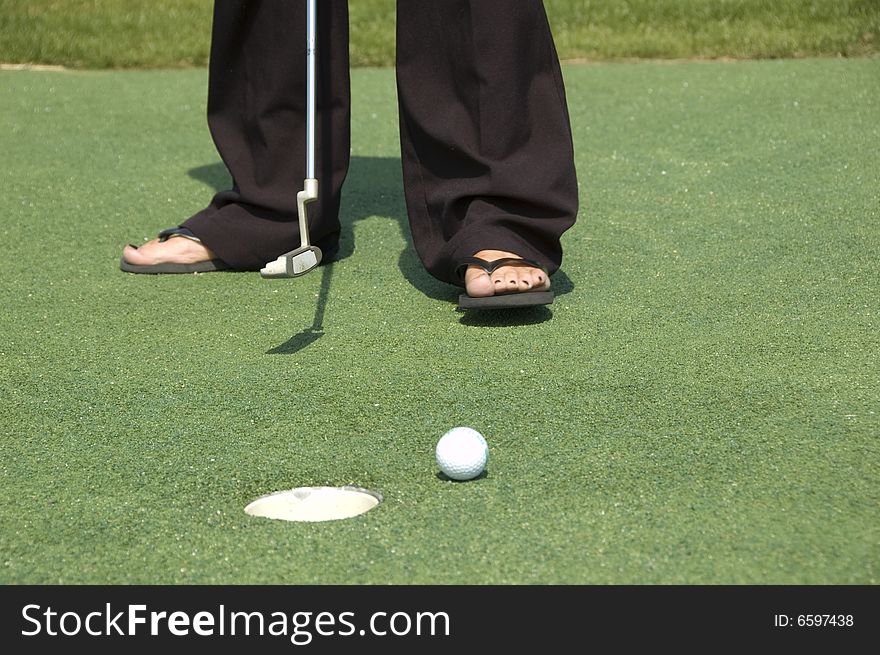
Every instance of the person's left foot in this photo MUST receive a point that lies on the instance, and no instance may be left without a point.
(170, 251)
(506, 279)
(177, 250)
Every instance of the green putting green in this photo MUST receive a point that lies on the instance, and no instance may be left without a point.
(699, 405)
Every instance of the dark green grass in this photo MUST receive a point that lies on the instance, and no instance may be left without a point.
(163, 33)
(698, 406)
(598, 29)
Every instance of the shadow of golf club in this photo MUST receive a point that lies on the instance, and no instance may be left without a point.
(316, 330)
(373, 187)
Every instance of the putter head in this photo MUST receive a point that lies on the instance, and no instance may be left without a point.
(294, 263)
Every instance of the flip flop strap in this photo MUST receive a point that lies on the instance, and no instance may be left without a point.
(184, 232)
(491, 266)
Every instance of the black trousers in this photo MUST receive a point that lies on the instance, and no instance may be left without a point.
(486, 145)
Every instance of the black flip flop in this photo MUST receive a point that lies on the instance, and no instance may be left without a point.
(154, 269)
(503, 300)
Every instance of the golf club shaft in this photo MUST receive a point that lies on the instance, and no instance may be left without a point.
(306, 257)
(311, 57)
(310, 184)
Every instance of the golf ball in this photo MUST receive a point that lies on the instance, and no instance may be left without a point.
(462, 453)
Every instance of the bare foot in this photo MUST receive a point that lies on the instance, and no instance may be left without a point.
(176, 250)
(505, 279)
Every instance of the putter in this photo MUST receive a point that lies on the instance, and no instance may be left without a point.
(306, 257)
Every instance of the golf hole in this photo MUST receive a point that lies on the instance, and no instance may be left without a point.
(314, 504)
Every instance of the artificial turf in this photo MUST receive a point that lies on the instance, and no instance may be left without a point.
(699, 405)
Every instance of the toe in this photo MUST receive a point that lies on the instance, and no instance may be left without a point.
(510, 279)
(477, 283)
(537, 279)
(134, 255)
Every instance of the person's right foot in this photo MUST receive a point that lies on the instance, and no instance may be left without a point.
(516, 278)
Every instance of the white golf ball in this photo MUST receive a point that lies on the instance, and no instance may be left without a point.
(462, 453)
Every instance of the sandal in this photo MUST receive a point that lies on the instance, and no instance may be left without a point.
(502, 300)
(196, 267)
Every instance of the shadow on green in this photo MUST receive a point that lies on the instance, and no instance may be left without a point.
(379, 179)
